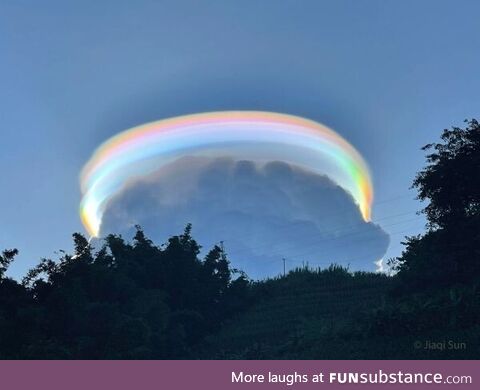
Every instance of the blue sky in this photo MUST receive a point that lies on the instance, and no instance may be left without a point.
(387, 75)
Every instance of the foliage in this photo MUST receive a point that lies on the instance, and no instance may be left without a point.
(449, 252)
(450, 180)
(125, 301)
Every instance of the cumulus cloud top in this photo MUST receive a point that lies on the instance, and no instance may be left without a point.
(263, 213)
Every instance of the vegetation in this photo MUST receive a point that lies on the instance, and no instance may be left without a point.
(449, 252)
(141, 301)
(126, 301)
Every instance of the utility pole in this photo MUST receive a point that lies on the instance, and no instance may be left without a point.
(283, 267)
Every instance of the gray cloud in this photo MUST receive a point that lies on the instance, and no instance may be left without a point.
(263, 212)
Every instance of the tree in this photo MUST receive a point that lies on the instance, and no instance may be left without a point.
(6, 258)
(217, 269)
(451, 180)
(449, 253)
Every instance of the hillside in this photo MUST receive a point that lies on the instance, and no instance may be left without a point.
(312, 314)
(288, 307)
(138, 301)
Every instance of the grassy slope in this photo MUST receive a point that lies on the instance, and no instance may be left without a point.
(317, 315)
(287, 307)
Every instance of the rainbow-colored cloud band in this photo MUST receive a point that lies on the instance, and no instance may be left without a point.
(253, 135)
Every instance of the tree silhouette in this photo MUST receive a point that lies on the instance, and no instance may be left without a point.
(449, 253)
(6, 258)
(127, 300)
(450, 181)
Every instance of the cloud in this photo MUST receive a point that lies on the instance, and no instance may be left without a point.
(262, 212)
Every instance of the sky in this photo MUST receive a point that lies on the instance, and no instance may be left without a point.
(386, 75)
